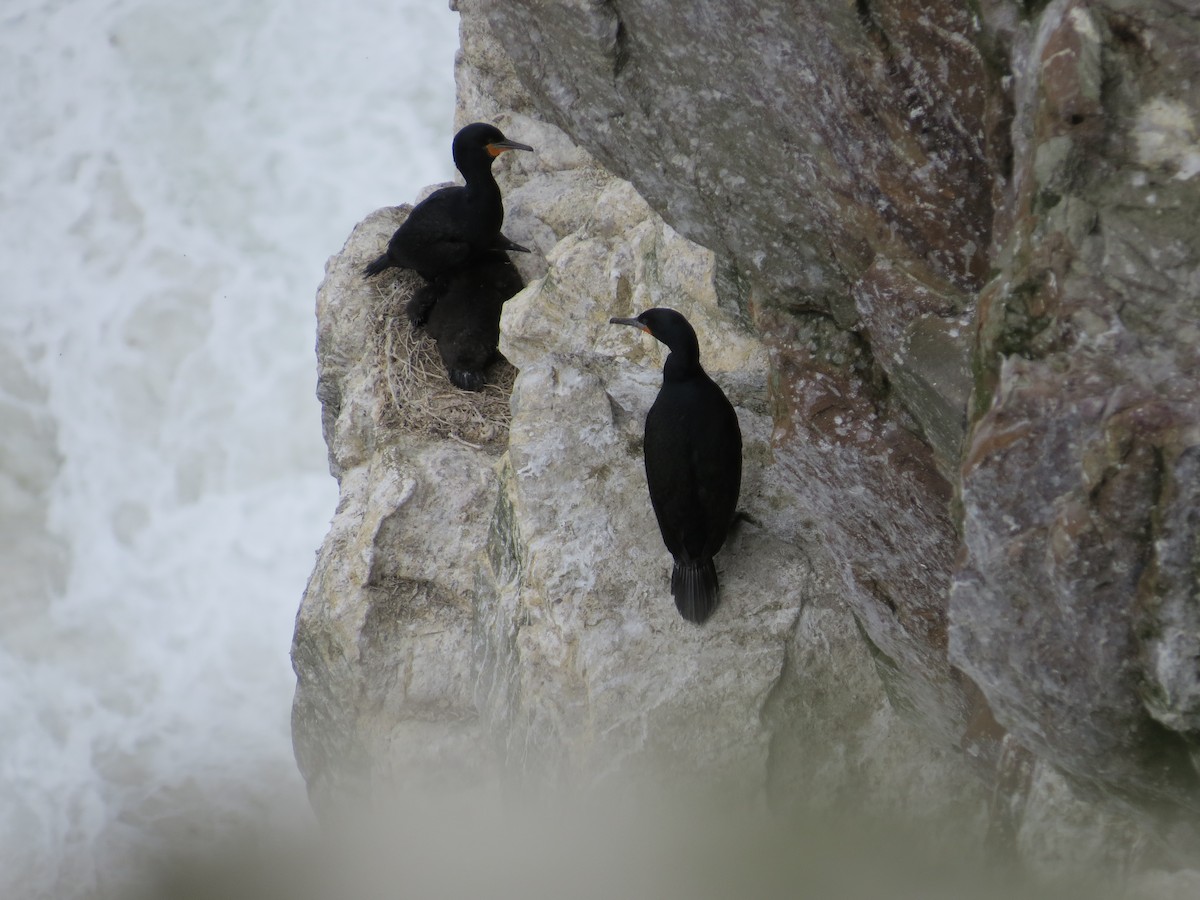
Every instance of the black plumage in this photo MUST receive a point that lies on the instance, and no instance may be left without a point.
(455, 226)
(693, 455)
(462, 313)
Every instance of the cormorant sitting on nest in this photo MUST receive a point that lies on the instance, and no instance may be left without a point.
(457, 225)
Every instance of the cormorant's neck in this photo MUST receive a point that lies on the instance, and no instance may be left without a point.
(683, 363)
(479, 177)
(483, 196)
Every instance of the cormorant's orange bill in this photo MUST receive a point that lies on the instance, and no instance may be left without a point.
(497, 147)
(636, 323)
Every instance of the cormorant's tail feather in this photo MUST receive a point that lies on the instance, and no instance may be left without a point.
(694, 586)
(375, 266)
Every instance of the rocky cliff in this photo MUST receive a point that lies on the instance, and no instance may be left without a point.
(943, 258)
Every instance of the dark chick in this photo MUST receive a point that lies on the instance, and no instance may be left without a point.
(455, 226)
(462, 313)
(693, 454)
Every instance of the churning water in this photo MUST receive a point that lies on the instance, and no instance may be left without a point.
(173, 176)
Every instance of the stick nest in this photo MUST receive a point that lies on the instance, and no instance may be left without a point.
(419, 396)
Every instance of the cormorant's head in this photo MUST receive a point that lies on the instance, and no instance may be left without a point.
(481, 142)
(668, 326)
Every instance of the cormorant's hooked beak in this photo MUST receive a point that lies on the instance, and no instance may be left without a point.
(636, 323)
(495, 148)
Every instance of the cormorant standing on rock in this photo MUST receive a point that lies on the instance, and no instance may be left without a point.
(455, 225)
(693, 453)
(463, 316)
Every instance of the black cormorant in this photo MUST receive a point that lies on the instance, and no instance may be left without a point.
(693, 453)
(455, 225)
(462, 313)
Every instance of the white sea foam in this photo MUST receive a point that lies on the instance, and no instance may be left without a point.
(172, 179)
